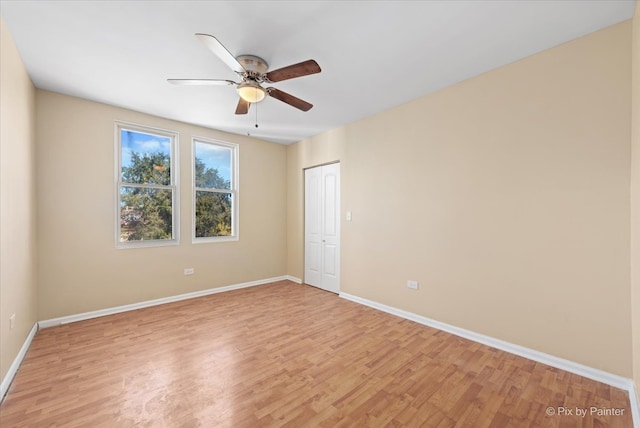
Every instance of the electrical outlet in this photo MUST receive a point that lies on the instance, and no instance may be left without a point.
(189, 271)
(412, 285)
(12, 321)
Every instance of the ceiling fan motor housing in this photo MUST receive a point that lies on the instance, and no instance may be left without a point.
(253, 64)
(250, 89)
(254, 72)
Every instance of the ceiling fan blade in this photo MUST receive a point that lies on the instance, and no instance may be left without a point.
(296, 70)
(243, 106)
(289, 99)
(186, 82)
(221, 52)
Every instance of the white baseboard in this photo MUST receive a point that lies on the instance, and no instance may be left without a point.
(635, 406)
(293, 279)
(13, 368)
(560, 363)
(131, 307)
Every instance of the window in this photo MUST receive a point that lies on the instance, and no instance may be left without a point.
(146, 186)
(215, 191)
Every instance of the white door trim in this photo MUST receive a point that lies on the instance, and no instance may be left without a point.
(322, 226)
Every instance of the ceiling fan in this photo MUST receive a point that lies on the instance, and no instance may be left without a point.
(253, 72)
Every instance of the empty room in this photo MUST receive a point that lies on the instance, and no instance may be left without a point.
(320, 213)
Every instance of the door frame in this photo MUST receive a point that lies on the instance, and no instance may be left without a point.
(304, 223)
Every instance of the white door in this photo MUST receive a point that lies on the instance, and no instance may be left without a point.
(322, 227)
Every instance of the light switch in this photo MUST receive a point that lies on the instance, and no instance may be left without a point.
(348, 215)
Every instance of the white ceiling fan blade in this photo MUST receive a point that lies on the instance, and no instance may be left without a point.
(221, 52)
(201, 82)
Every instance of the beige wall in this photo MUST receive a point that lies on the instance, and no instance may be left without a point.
(17, 201)
(635, 197)
(325, 148)
(79, 267)
(506, 196)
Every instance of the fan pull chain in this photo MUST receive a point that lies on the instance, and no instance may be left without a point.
(257, 115)
(256, 124)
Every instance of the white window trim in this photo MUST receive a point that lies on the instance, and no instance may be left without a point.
(175, 185)
(235, 207)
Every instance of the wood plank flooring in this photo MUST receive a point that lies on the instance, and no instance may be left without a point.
(289, 355)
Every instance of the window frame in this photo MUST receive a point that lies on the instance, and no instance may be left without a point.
(174, 186)
(234, 191)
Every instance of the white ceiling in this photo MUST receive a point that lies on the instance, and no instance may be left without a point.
(374, 54)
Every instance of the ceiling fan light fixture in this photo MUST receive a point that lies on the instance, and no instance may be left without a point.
(253, 70)
(251, 92)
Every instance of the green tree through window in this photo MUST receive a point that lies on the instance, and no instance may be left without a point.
(214, 191)
(146, 187)
(146, 213)
(213, 209)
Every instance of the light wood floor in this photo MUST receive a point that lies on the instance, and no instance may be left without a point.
(284, 354)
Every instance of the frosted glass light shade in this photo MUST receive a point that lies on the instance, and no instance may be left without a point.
(251, 92)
